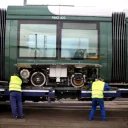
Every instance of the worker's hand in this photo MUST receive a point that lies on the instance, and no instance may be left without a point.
(86, 87)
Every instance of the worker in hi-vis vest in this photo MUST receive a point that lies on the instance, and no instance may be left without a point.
(98, 87)
(16, 96)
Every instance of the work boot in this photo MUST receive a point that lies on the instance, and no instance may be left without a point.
(15, 117)
(21, 117)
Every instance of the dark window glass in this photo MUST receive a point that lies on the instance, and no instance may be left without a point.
(37, 40)
(79, 40)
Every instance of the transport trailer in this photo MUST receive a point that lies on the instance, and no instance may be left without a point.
(59, 50)
(53, 94)
(49, 95)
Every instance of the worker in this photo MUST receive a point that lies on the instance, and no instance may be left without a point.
(98, 86)
(16, 96)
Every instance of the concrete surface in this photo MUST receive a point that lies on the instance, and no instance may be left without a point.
(39, 116)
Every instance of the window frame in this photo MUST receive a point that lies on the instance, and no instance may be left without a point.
(36, 22)
(98, 40)
(59, 26)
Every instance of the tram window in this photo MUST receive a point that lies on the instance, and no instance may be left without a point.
(37, 40)
(79, 40)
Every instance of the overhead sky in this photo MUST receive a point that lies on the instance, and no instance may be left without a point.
(117, 5)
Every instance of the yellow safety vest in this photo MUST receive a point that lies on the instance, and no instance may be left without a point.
(97, 89)
(15, 84)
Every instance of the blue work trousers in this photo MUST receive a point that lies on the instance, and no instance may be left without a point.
(16, 103)
(95, 102)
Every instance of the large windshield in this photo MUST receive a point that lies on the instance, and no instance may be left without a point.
(58, 39)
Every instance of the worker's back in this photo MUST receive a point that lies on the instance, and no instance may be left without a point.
(15, 84)
(97, 89)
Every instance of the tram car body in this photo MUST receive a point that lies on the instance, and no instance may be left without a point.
(63, 48)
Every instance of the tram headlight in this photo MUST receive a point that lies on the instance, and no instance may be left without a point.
(24, 73)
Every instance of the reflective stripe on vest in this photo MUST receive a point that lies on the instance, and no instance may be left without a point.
(15, 84)
(97, 89)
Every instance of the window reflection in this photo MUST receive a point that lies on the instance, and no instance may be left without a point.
(37, 40)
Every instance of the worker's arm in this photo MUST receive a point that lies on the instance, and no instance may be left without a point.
(90, 86)
(106, 87)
